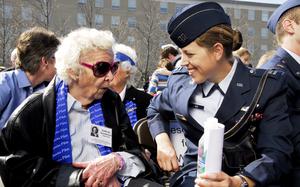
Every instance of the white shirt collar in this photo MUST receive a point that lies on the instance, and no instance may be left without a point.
(224, 84)
(294, 55)
(73, 104)
(122, 93)
(206, 87)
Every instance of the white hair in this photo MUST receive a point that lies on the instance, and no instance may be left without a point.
(163, 47)
(13, 57)
(126, 65)
(82, 39)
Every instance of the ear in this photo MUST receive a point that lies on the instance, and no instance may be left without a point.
(218, 51)
(43, 63)
(288, 26)
(74, 76)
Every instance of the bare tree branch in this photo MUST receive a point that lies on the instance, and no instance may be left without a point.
(149, 33)
(42, 11)
(10, 23)
(88, 9)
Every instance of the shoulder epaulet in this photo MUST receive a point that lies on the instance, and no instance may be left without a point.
(180, 70)
(273, 73)
(276, 72)
(281, 66)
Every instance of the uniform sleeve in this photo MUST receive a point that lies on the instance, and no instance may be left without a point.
(273, 140)
(160, 112)
(5, 94)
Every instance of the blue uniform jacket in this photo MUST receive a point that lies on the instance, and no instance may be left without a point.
(284, 61)
(273, 144)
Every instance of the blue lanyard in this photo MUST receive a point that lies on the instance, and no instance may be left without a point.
(62, 148)
(131, 111)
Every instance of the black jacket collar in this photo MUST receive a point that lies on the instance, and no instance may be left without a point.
(235, 97)
(287, 60)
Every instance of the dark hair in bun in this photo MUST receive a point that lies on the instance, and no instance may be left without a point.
(237, 40)
(230, 39)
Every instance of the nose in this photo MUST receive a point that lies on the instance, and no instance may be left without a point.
(109, 76)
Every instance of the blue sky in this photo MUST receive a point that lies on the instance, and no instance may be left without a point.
(266, 1)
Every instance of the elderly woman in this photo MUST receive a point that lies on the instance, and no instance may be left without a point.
(135, 101)
(49, 137)
(212, 83)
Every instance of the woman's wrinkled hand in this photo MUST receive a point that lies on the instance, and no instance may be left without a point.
(99, 171)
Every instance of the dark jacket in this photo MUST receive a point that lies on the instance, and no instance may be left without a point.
(140, 98)
(28, 138)
(273, 145)
(284, 61)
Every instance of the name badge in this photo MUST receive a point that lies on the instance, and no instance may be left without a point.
(100, 135)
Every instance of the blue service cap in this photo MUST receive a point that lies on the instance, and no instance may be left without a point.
(194, 20)
(272, 22)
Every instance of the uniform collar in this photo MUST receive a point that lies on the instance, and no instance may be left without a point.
(289, 61)
(22, 79)
(236, 96)
(224, 84)
(294, 55)
(206, 87)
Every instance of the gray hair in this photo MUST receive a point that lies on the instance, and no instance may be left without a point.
(68, 53)
(13, 57)
(126, 65)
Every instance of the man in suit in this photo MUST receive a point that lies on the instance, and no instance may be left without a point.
(285, 24)
(214, 84)
(135, 101)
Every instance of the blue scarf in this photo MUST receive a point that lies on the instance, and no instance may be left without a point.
(62, 148)
(131, 111)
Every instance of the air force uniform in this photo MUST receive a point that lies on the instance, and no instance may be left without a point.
(289, 62)
(232, 96)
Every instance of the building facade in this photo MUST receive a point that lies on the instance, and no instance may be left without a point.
(139, 23)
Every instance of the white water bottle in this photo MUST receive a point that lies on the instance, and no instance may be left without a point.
(210, 147)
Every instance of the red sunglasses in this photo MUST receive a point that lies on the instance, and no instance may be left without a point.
(100, 69)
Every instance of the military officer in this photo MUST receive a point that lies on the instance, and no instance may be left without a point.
(212, 83)
(285, 24)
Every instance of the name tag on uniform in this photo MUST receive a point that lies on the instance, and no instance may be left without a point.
(100, 135)
(196, 106)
